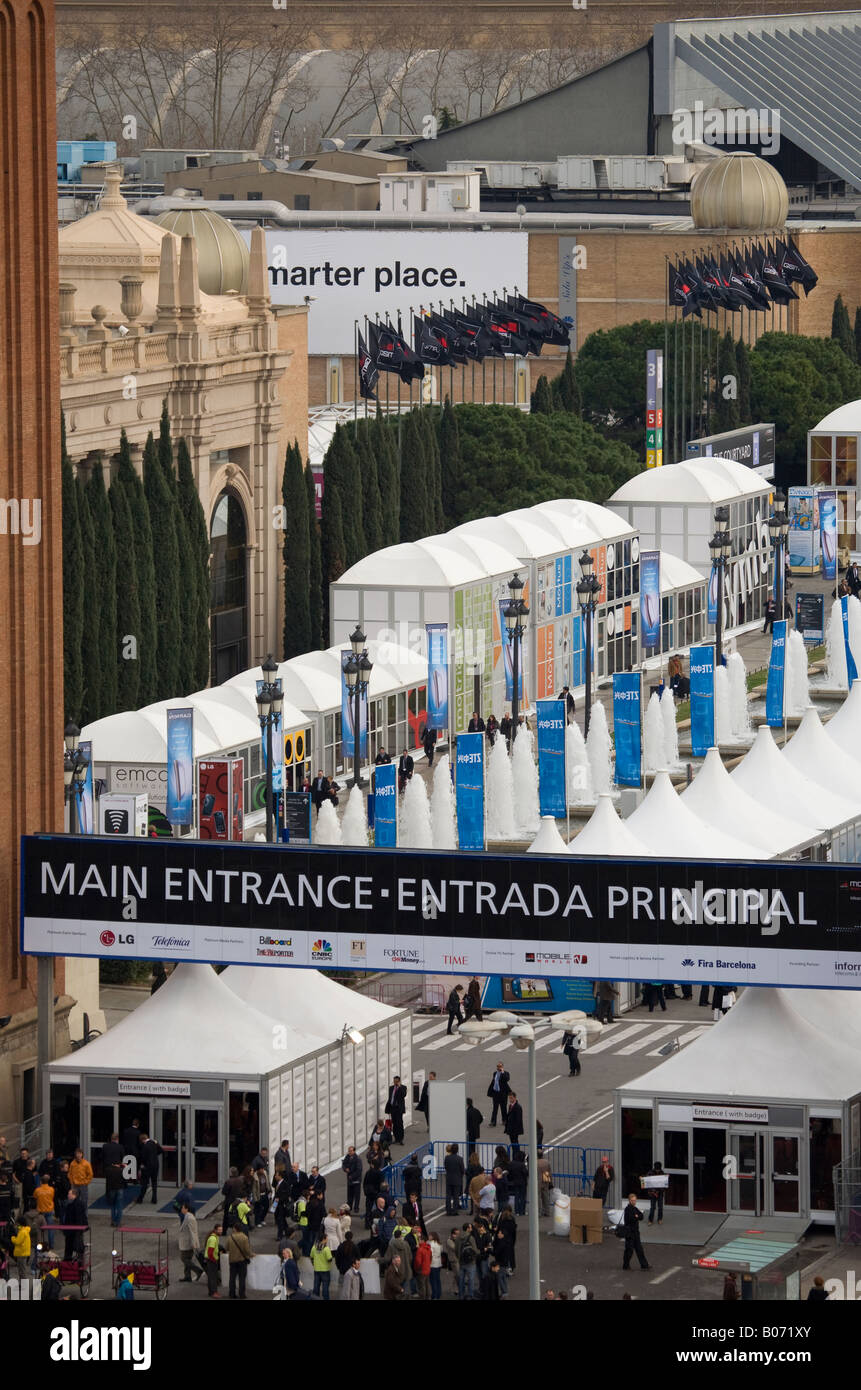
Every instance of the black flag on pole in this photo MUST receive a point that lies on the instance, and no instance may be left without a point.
(368, 373)
(794, 268)
(555, 331)
(431, 343)
(394, 354)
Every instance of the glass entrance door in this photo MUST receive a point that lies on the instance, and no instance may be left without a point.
(169, 1123)
(745, 1180)
(785, 1176)
(206, 1144)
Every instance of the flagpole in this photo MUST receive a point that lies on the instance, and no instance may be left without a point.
(676, 384)
(664, 431)
(356, 391)
(367, 339)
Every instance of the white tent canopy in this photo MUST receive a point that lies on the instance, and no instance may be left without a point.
(773, 781)
(313, 681)
(528, 537)
(844, 727)
(795, 1043)
(606, 834)
(846, 419)
(812, 753)
(548, 840)
(670, 829)
(305, 999)
(194, 1023)
(676, 573)
(722, 803)
(703, 480)
(423, 564)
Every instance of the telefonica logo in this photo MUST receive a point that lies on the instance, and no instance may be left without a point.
(77, 1343)
(171, 941)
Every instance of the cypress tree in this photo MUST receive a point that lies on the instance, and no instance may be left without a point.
(146, 632)
(435, 519)
(742, 362)
(315, 567)
(91, 695)
(352, 503)
(542, 398)
(372, 513)
(388, 473)
(564, 389)
(165, 448)
(297, 555)
(74, 578)
(333, 550)
(726, 412)
(450, 462)
(414, 497)
(128, 599)
(196, 568)
(841, 329)
(104, 593)
(163, 518)
(858, 332)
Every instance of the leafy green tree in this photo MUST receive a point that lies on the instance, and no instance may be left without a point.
(795, 381)
(332, 546)
(315, 567)
(414, 469)
(450, 460)
(163, 517)
(128, 600)
(196, 568)
(104, 587)
(91, 697)
(73, 587)
(742, 367)
(297, 556)
(542, 397)
(146, 632)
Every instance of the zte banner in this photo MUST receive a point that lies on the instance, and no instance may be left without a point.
(519, 916)
(552, 718)
(386, 806)
(702, 700)
(627, 715)
(775, 690)
(851, 668)
(650, 600)
(469, 790)
(180, 766)
(349, 276)
(437, 639)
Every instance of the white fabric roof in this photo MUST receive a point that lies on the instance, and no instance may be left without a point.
(605, 833)
(306, 999)
(812, 753)
(313, 681)
(221, 722)
(721, 802)
(844, 727)
(528, 537)
(670, 829)
(604, 523)
(418, 564)
(548, 840)
(773, 781)
(194, 1023)
(676, 573)
(796, 1044)
(846, 419)
(493, 557)
(704, 480)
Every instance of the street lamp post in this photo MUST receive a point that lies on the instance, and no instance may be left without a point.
(587, 596)
(75, 764)
(778, 530)
(358, 676)
(515, 612)
(720, 547)
(270, 702)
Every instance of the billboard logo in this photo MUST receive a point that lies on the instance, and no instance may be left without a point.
(107, 938)
(321, 950)
(275, 940)
(117, 821)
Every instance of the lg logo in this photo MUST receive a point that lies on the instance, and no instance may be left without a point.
(107, 938)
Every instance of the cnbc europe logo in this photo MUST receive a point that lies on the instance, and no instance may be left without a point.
(321, 950)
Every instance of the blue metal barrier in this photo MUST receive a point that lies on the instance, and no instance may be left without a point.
(573, 1168)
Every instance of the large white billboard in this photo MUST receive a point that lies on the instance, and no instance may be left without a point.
(348, 276)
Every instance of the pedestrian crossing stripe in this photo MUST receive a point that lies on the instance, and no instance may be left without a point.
(624, 1040)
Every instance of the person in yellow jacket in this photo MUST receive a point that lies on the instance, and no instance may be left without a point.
(21, 1250)
(81, 1175)
(302, 1221)
(321, 1259)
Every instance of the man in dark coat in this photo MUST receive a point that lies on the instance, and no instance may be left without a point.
(632, 1218)
(131, 1140)
(352, 1167)
(75, 1215)
(514, 1122)
(565, 694)
(476, 724)
(474, 1121)
(454, 1175)
(150, 1154)
(424, 1098)
(320, 789)
(429, 744)
(498, 1091)
(405, 769)
(412, 1174)
(395, 1107)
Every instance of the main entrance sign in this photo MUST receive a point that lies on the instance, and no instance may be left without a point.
(769, 924)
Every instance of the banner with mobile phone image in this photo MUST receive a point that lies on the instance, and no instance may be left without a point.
(213, 799)
(828, 533)
(348, 714)
(180, 766)
(86, 804)
(437, 701)
(650, 600)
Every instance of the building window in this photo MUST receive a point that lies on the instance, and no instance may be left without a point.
(301, 202)
(820, 460)
(825, 1148)
(226, 198)
(637, 1149)
(254, 197)
(846, 451)
(228, 581)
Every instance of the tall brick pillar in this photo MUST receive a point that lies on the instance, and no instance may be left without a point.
(31, 614)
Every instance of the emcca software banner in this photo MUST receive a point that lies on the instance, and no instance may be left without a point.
(437, 639)
(702, 700)
(469, 790)
(775, 690)
(385, 806)
(512, 915)
(650, 600)
(180, 766)
(552, 715)
(627, 714)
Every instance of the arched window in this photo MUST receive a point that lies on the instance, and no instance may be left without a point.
(229, 589)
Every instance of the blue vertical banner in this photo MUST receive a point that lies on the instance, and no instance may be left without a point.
(566, 598)
(277, 751)
(348, 706)
(851, 668)
(711, 614)
(828, 533)
(552, 716)
(85, 811)
(702, 665)
(578, 651)
(385, 801)
(627, 727)
(775, 690)
(560, 586)
(180, 766)
(437, 705)
(469, 790)
(650, 601)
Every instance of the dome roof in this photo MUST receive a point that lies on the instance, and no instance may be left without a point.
(222, 255)
(111, 227)
(846, 419)
(739, 192)
(703, 480)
